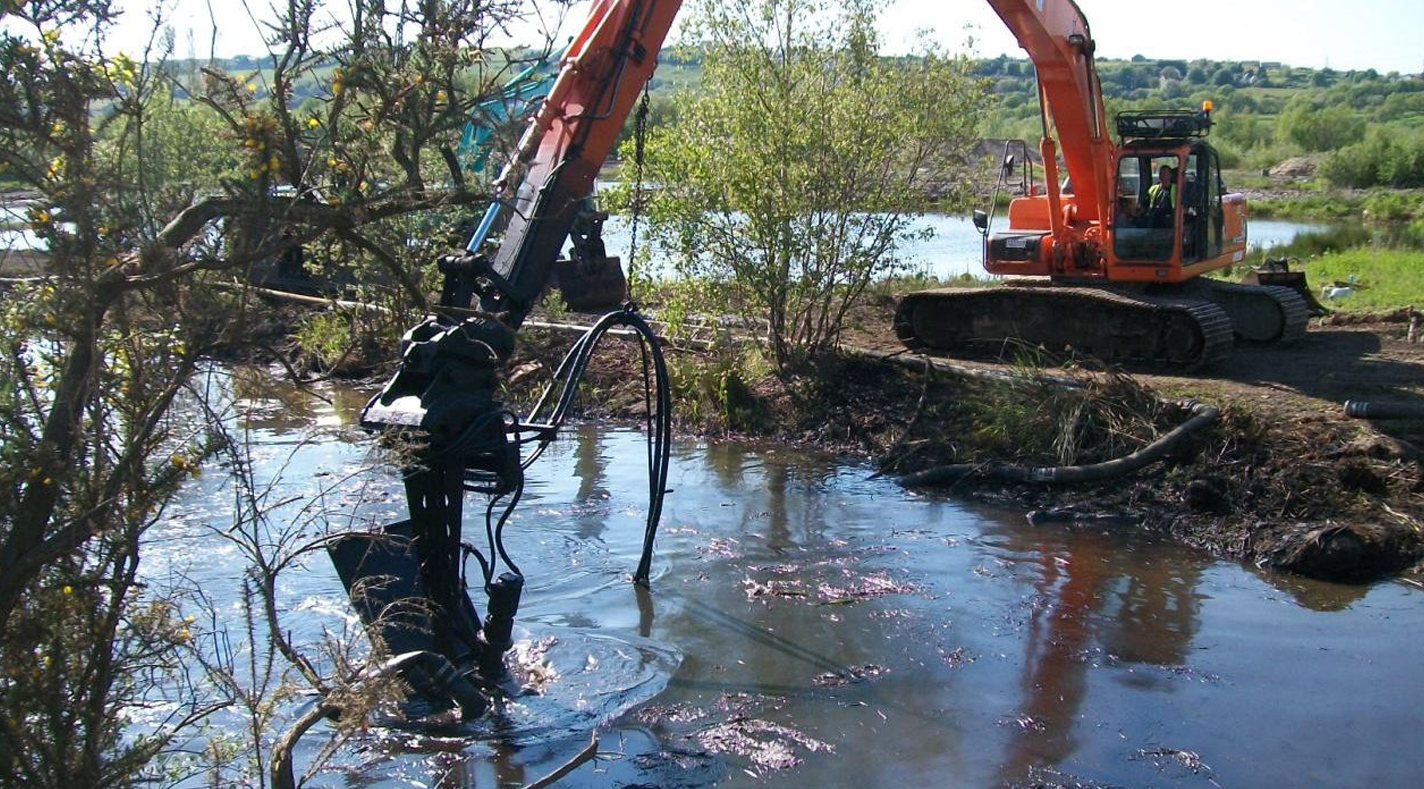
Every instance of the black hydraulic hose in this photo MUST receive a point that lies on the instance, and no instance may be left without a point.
(1202, 417)
(486, 570)
(1361, 409)
(658, 450)
(657, 386)
(496, 533)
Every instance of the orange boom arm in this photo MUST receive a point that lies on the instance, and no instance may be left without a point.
(569, 138)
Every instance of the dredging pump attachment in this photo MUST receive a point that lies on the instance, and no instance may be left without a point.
(407, 580)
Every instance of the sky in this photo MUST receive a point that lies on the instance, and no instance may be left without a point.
(1386, 35)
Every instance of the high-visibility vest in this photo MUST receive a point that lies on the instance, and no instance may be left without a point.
(1154, 192)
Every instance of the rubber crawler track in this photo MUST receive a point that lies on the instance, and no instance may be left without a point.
(1268, 302)
(1178, 332)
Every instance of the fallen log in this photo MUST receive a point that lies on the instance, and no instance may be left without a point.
(1202, 417)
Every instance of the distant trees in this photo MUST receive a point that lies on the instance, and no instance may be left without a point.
(1301, 110)
(1319, 128)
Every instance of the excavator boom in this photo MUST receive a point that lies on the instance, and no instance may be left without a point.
(447, 384)
(568, 140)
(1059, 42)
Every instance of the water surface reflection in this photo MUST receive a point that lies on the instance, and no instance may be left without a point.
(810, 626)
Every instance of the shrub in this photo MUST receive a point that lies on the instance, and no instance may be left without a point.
(1389, 156)
(793, 218)
(1319, 129)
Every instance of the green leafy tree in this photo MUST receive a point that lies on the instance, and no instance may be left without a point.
(1388, 156)
(793, 177)
(1319, 128)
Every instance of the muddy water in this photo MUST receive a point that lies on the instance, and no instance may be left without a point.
(809, 626)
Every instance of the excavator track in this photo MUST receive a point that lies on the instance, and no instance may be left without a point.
(1179, 331)
(1261, 313)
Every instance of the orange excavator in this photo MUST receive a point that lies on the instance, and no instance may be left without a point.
(1108, 263)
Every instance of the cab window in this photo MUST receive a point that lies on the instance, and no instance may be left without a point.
(1146, 210)
(1202, 219)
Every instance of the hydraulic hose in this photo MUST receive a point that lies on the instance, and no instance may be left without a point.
(657, 390)
(1361, 409)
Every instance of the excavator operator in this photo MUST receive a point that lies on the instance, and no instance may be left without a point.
(1160, 197)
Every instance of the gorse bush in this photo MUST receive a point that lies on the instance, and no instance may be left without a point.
(152, 191)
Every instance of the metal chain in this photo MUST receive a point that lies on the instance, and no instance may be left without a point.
(640, 138)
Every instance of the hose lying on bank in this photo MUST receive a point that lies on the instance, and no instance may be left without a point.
(1360, 409)
(1202, 417)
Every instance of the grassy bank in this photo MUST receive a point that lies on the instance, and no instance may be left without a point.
(1312, 206)
(1390, 205)
(1384, 278)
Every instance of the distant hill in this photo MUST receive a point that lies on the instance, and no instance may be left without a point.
(1265, 112)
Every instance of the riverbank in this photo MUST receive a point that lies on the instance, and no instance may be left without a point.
(1282, 479)
(1305, 201)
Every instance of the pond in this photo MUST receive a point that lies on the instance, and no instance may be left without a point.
(810, 625)
(954, 246)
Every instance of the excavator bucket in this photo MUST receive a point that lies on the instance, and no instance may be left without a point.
(1277, 272)
(591, 284)
(588, 279)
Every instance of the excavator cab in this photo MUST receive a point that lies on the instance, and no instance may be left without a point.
(1149, 188)
(1171, 209)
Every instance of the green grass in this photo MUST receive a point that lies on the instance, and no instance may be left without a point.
(1388, 278)
(1319, 206)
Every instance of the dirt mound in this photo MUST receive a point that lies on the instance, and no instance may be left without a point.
(1294, 167)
